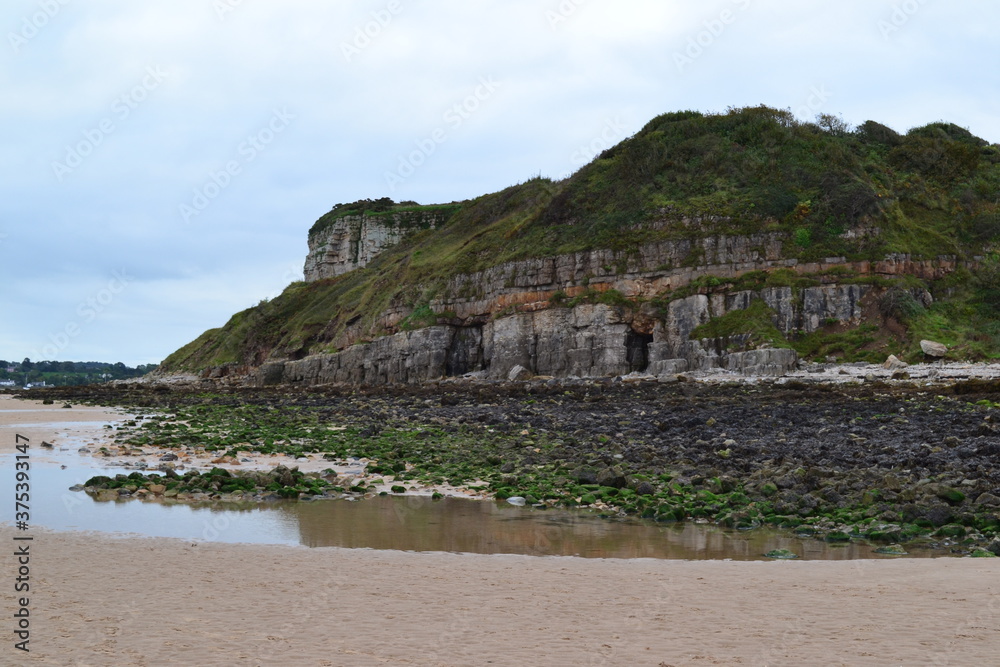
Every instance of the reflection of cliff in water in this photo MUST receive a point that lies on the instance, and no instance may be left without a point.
(456, 525)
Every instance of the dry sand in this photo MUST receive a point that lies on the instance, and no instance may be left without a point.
(103, 600)
(142, 601)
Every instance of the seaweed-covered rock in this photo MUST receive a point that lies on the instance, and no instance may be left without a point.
(613, 477)
(982, 553)
(645, 489)
(891, 550)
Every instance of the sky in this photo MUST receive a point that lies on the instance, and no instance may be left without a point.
(164, 160)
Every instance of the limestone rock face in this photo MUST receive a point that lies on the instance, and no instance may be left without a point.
(506, 318)
(351, 242)
(586, 341)
(590, 340)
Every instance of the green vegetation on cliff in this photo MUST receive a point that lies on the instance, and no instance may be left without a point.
(828, 191)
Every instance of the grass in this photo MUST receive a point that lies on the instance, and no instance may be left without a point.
(756, 321)
(684, 177)
(847, 346)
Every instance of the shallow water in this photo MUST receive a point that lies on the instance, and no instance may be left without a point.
(399, 523)
(410, 523)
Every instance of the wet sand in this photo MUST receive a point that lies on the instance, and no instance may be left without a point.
(142, 601)
(97, 599)
(53, 423)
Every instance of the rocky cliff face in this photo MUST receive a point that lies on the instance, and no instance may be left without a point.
(504, 317)
(351, 242)
(590, 340)
(644, 272)
(508, 316)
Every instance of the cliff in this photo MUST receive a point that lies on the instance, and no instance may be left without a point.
(737, 241)
(350, 242)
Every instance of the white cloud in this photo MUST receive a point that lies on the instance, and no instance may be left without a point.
(561, 84)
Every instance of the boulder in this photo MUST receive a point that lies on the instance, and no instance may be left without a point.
(894, 364)
(105, 495)
(612, 477)
(994, 546)
(645, 489)
(668, 368)
(519, 374)
(932, 349)
(988, 500)
(585, 475)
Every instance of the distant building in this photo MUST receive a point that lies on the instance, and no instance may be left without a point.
(7, 383)
(32, 385)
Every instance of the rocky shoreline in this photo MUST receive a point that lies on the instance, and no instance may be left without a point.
(830, 453)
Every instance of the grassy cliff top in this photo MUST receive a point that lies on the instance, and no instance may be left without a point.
(384, 208)
(829, 190)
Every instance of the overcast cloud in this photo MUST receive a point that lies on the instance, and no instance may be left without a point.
(164, 160)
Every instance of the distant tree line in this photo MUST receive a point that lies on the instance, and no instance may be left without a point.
(68, 373)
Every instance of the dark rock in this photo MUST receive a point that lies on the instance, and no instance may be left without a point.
(988, 500)
(950, 495)
(612, 477)
(994, 546)
(951, 530)
(645, 489)
(939, 515)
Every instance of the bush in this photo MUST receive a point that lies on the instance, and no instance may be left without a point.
(877, 133)
(899, 303)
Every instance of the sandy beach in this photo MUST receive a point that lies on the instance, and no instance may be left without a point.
(103, 601)
(53, 423)
(98, 599)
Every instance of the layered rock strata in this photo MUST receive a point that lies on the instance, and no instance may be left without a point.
(504, 317)
(586, 341)
(351, 242)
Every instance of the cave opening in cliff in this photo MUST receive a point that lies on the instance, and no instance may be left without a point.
(637, 350)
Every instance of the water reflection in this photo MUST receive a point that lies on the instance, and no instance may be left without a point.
(451, 524)
(407, 524)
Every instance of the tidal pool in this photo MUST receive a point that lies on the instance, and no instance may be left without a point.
(412, 523)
